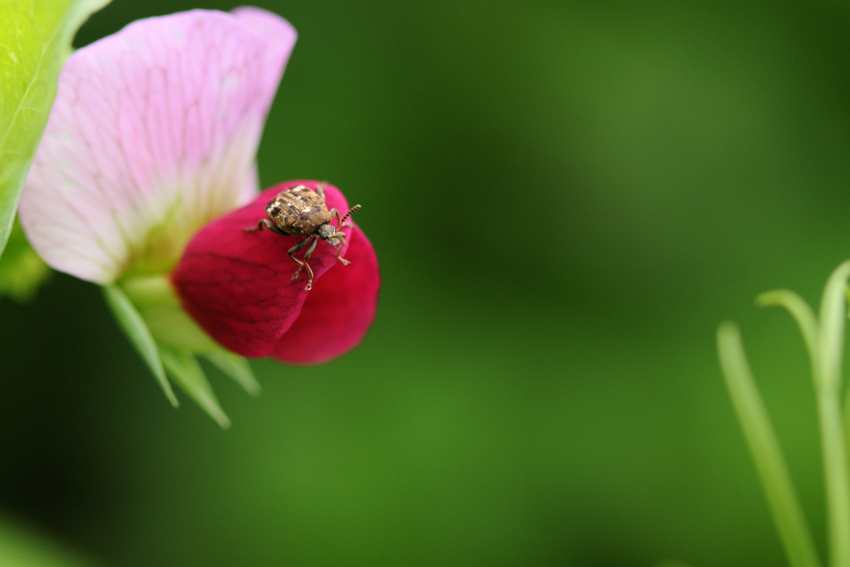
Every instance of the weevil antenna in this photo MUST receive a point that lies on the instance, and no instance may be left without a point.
(348, 214)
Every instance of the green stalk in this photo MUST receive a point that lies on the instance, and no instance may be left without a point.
(764, 446)
(805, 318)
(828, 384)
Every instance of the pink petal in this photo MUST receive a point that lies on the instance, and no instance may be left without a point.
(336, 314)
(153, 133)
(237, 285)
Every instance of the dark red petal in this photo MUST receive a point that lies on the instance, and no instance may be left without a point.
(236, 284)
(338, 311)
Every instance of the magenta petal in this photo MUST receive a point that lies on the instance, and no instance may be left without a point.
(338, 312)
(236, 284)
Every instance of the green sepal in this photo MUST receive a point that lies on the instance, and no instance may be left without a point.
(188, 374)
(169, 340)
(237, 368)
(137, 331)
(170, 325)
(35, 41)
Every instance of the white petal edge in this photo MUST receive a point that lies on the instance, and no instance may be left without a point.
(153, 133)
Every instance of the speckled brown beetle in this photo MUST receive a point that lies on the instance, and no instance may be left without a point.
(299, 211)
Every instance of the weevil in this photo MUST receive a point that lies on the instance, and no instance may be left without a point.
(299, 211)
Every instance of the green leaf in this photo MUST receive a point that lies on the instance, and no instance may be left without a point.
(22, 546)
(237, 368)
(35, 40)
(189, 375)
(137, 331)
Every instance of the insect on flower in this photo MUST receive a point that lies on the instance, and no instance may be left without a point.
(299, 211)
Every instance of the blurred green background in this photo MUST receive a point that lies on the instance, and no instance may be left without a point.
(566, 199)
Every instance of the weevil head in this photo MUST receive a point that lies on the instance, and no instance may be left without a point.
(328, 232)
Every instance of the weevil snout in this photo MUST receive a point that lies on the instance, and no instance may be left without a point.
(329, 232)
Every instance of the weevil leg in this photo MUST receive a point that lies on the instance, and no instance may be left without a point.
(312, 247)
(303, 264)
(297, 248)
(265, 223)
(339, 250)
(307, 255)
(256, 228)
(320, 189)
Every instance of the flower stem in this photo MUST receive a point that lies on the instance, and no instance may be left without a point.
(765, 449)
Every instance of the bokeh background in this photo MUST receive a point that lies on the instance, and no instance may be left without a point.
(566, 199)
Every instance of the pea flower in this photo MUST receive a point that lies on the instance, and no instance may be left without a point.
(145, 180)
